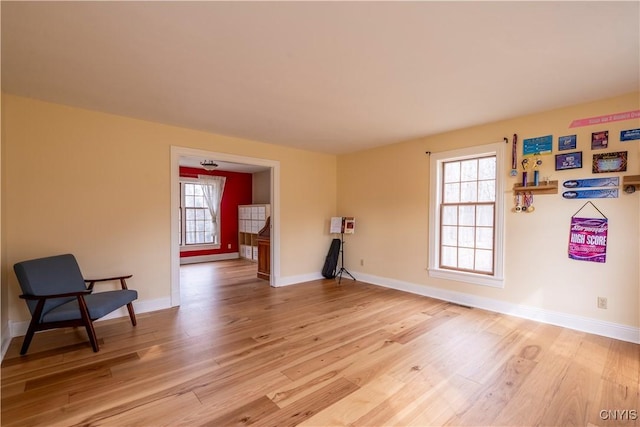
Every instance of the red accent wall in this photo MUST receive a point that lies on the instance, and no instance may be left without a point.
(237, 191)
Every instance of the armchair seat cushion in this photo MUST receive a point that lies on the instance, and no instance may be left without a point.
(99, 304)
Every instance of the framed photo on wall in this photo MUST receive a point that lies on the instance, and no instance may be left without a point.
(567, 142)
(609, 162)
(600, 140)
(569, 161)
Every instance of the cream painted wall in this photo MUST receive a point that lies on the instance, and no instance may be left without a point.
(387, 190)
(97, 185)
(261, 187)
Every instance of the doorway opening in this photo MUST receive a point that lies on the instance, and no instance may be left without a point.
(188, 157)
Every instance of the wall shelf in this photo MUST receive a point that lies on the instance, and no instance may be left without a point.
(631, 181)
(550, 188)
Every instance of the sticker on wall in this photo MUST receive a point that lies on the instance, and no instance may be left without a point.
(567, 142)
(600, 193)
(600, 140)
(607, 118)
(539, 145)
(613, 181)
(629, 135)
(588, 237)
(610, 162)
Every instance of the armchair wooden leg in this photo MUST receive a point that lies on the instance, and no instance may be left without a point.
(88, 324)
(33, 327)
(27, 339)
(132, 314)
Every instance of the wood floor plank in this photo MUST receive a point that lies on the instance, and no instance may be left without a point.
(551, 372)
(489, 358)
(19, 412)
(335, 355)
(424, 327)
(238, 352)
(492, 399)
(359, 368)
(307, 407)
(247, 414)
(166, 411)
(356, 404)
(446, 399)
(305, 386)
(218, 401)
(80, 374)
(390, 411)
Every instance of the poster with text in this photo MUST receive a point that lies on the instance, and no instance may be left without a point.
(539, 145)
(336, 225)
(343, 225)
(349, 225)
(588, 239)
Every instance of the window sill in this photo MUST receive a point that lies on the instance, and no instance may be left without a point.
(201, 247)
(461, 276)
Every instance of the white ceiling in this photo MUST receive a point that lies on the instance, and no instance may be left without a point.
(333, 77)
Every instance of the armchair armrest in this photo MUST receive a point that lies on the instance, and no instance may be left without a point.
(68, 294)
(122, 280)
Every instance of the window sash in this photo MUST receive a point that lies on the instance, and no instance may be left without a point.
(446, 246)
(196, 226)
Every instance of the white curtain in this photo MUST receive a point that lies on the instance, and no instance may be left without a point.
(212, 188)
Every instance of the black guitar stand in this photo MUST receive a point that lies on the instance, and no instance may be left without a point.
(342, 269)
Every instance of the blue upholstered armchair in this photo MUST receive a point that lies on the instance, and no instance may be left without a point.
(58, 296)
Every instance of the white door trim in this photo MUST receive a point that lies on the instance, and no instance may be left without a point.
(274, 165)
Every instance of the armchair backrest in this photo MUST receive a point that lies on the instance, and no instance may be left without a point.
(51, 275)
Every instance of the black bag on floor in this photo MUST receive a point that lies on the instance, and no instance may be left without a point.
(331, 261)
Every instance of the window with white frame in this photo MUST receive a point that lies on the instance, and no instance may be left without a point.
(199, 214)
(466, 215)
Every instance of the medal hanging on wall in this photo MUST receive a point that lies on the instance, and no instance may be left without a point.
(528, 203)
(524, 202)
(514, 156)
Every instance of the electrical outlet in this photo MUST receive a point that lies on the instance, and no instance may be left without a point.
(602, 303)
(362, 262)
(228, 245)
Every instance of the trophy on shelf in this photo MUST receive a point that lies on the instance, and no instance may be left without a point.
(525, 175)
(526, 165)
(536, 172)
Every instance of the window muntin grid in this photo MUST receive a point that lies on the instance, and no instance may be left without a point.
(196, 224)
(467, 215)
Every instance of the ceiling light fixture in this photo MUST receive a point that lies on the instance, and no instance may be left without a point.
(209, 165)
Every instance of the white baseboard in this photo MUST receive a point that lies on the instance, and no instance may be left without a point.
(294, 280)
(208, 258)
(6, 340)
(583, 324)
(18, 329)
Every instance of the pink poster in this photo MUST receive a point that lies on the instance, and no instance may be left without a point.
(588, 239)
(607, 118)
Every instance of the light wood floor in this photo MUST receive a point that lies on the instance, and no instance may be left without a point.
(241, 353)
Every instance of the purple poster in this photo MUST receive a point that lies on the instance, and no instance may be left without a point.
(588, 239)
